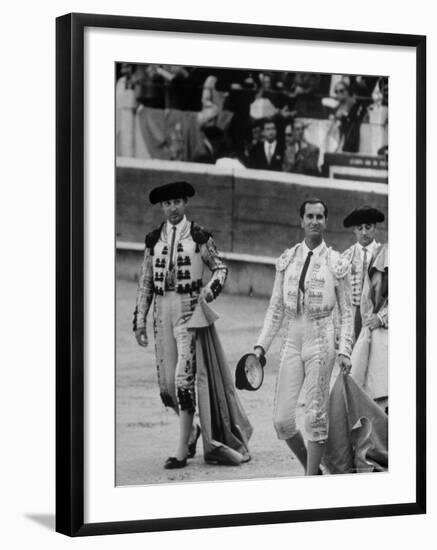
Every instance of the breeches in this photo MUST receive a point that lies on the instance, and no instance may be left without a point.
(307, 355)
(175, 350)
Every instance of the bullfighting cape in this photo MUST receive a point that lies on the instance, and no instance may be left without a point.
(358, 431)
(226, 429)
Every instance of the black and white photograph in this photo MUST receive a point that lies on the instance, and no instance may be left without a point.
(252, 268)
(203, 344)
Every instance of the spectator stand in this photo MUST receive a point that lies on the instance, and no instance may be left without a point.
(236, 101)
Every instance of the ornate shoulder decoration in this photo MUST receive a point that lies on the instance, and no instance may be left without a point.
(380, 259)
(285, 258)
(347, 255)
(199, 234)
(338, 263)
(153, 237)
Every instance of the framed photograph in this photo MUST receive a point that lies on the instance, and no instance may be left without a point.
(234, 203)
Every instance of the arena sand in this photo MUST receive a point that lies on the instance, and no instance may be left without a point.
(146, 431)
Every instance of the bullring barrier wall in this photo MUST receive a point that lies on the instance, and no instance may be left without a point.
(252, 214)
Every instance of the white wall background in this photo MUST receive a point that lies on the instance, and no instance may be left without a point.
(28, 263)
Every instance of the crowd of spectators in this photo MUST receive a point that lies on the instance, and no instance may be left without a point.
(259, 117)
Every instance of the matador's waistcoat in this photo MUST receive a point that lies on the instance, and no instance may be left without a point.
(186, 276)
(353, 258)
(195, 249)
(320, 282)
(326, 290)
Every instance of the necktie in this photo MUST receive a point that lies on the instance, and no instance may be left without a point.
(269, 153)
(363, 274)
(304, 271)
(357, 321)
(173, 238)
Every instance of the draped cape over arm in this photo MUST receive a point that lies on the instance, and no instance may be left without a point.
(226, 429)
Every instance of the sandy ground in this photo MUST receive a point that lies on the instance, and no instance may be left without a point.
(147, 431)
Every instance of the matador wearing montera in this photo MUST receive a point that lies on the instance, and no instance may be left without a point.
(171, 276)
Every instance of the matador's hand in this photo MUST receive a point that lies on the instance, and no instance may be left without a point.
(344, 363)
(374, 322)
(207, 295)
(141, 336)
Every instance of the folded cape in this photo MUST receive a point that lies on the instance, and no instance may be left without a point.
(226, 429)
(358, 431)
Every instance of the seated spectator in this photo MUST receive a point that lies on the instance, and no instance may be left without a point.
(374, 134)
(254, 137)
(362, 87)
(241, 93)
(300, 156)
(149, 86)
(304, 94)
(176, 143)
(272, 90)
(212, 102)
(124, 113)
(268, 154)
(348, 114)
(178, 86)
(212, 146)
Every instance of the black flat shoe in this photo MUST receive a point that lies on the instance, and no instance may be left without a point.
(192, 446)
(172, 463)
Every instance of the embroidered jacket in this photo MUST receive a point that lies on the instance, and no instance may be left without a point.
(352, 256)
(326, 286)
(374, 299)
(195, 249)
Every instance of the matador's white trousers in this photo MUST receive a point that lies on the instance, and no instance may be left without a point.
(175, 349)
(307, 355)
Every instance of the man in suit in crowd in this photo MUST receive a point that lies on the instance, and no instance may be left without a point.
(359, 256)
(268, 154)
(300, 156)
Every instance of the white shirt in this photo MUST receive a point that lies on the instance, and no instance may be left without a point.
(371, 249)
(269, 149)
(181, 226)
(316, 251)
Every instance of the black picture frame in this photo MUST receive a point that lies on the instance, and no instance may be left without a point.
(70, 273)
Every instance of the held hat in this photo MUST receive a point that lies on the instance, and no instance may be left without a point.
(364, 214)
(249, 374)
(174, 190)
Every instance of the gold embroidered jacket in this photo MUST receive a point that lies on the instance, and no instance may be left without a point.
(326, 286)
(352, 256)
(194, 250)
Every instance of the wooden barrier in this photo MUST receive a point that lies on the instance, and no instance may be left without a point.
(135, 216)
(252, 214)
(248, 211)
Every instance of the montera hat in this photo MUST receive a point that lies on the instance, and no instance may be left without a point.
(249, 374)
(174, 190)
(364, 214)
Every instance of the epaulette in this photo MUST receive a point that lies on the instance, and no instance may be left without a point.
(338, 263)
(285, 258)
(199, 234)
(347, 254)
(153, 237)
